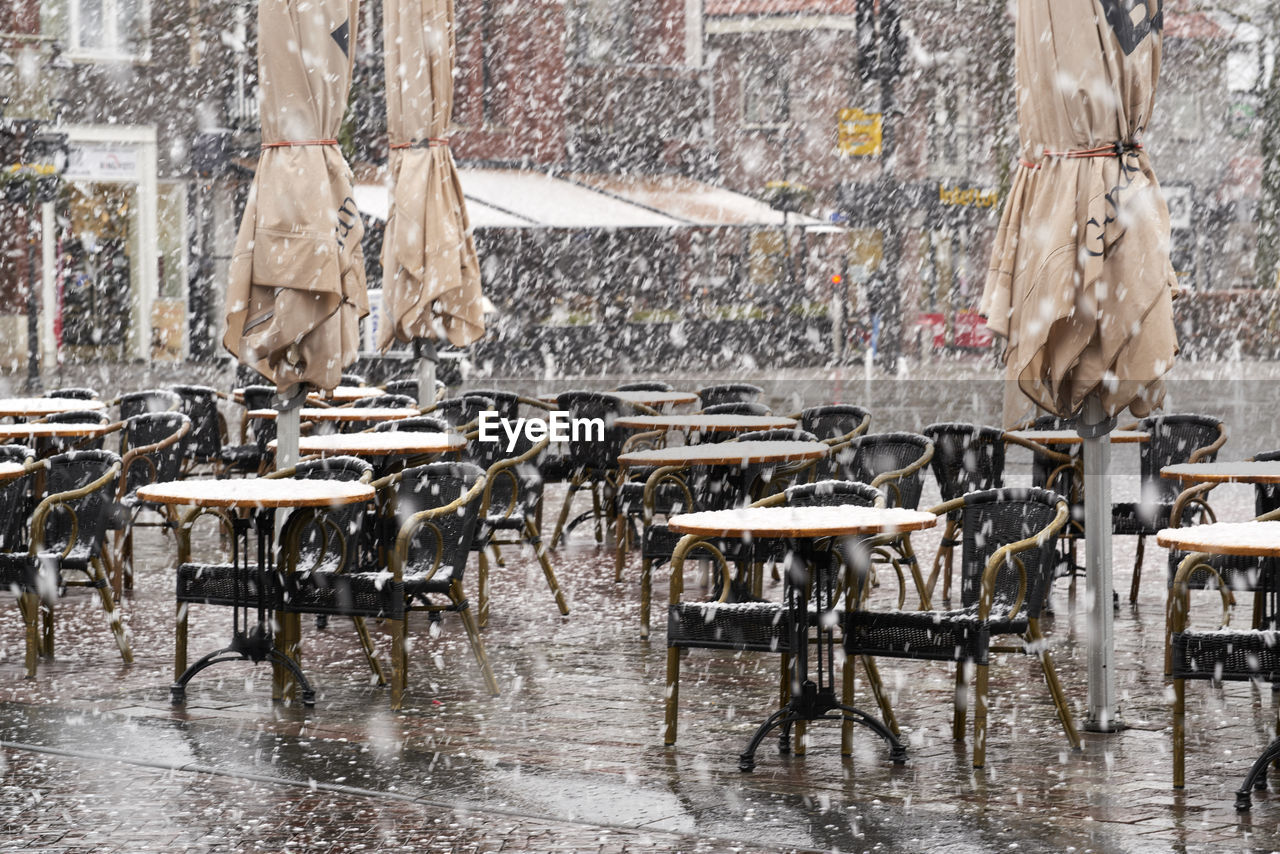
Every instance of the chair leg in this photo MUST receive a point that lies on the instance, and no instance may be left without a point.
(1137, 570)
(366, 643)
(473, 634)
(399, 661)
(482, 589)
(46, 630)
(126, 559)
(980, 716)
(574, 486)
(596, 513)
(1036, 640)
(672, 700)
(113, 619)
(846, 698)
(1179, 733)
(646, 595)
(534, 539)
(961, 702)
(29, 605)
(620, 546)
(946, 579)
(881, 695)
(180, 641)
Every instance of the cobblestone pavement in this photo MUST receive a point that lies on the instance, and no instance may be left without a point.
(569, 758)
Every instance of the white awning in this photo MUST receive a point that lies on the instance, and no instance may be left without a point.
(517, 198)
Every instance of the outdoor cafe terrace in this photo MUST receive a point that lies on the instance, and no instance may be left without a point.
(569, 754)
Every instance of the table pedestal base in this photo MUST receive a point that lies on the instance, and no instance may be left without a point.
(813, 704)
(1257, 777)
(256, 646)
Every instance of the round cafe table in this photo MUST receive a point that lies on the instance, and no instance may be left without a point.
(809, 588)
(11, 471)
(1071, 437)
(1231, 471)
(655, 399)
(391, 443)
(38, 407)
(261, 497)
(695, 422)
(341, 394)
(347, 413)
(44, 430)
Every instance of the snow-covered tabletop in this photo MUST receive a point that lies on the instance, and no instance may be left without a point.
(343, 393)
(257, 492)
(1259, 539)
(35, 407)
(802, 521)
(338, 413)
(9, 471)
(42, 429)
(1071, 437)
(705, 423)
(644, 398)
(1231, 471)
(380, 444)
(727, 453)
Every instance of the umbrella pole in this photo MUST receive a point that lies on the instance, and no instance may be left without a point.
(425, 350)
(1094, 427)
(289, 425)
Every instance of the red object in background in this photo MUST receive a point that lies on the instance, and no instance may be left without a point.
(972, 331)
(936, 324)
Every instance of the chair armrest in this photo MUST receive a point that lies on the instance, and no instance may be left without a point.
(188, 520)
(506, 468)
(906, 471)
(1191, 495)
(664, 474)
(400, 555)
(40, 518)
(1007, 552)
(134, 454)
(1212, 448)
(641, 438)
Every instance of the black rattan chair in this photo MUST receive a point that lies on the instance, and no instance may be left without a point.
(204, 444)
(155, 441)
(648, 385)
(66, 535)
(966, 458)
(439, 504)
(1007, 558)
(73, 393)
(15, 499)
(152, 400)
(1175, 438)
(592, 465)
(713, 395)
(48, 446)
(254, 454)
(738, 408)
(461, 412)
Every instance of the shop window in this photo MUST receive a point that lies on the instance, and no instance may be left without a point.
(764, 99)
(109, 29)
(605, 31)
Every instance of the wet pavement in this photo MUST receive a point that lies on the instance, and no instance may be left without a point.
(570, 756)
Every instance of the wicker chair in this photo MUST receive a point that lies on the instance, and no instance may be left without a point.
(737, 408)
(66, 535)
(1223, 654)
(463, 412)
(648, 385)
(593, 465)
(1007, 560)
(15, 499)
(752, 624)
(729, 393)
(254, 454)
(152, 400)
(154, 440)
(349, 378)
(835, 423)
(1059, 472)
(439, 504)
(48, 446)
(73, 393)
(410, 388)
(1175, 438)
(966, 458)
(204, 445)
(377, 401)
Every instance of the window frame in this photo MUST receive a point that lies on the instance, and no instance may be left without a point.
(112, 49)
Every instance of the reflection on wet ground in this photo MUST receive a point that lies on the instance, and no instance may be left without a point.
(570, 757)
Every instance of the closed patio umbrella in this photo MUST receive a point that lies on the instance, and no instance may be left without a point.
(431, 277)
(297, 284)
(1080, 284)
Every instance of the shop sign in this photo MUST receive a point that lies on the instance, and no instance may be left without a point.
(967, 197)
(859, 133)
(102, 162)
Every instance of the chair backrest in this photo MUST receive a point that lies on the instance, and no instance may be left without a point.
(739, 408)
(460, 411)
(386, 401)
(966, 457)
(1174, 438)
(50, 445)
(998, 517)
(713, 395)
(777, 434)
(408, 386)
(505, 403)
(583, 452)
(346, 518)
(71, 471)
(450, 536)
(835, 421)
(416, 424)
(868, 457)
(154, 428)
(263, 430)
(834, 493)
(73, 393)
(200, 404)
(1266, 496)
(152, 400)
(646, 386)
(15, 499)
(349, 378)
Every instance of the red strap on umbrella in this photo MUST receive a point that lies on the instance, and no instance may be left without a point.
(296, 142)
(1116, 149)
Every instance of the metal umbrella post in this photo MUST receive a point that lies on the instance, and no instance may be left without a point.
(1094, 427)
(424, 349)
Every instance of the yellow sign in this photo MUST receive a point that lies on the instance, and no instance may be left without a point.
(858, 133)
(968, 197)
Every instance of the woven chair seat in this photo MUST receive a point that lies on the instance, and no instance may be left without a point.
(18, 569)
(755, 626)
(240, 453)
(932, 636)
(217, 584)
(1146, 518)
(1227, 655)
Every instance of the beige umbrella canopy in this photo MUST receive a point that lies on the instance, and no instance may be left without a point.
(297, 289)
(1080, 284)
(431, 278)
